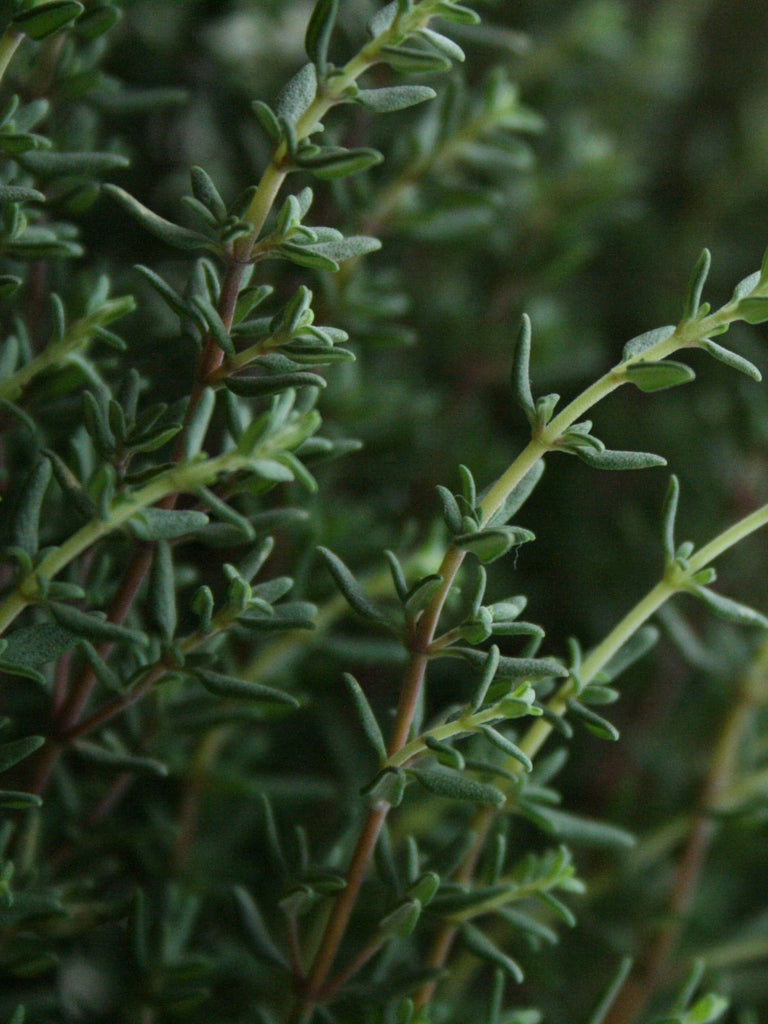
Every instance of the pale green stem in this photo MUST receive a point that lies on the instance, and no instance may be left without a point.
(77, 337)
(329, 94)
(189, 477)
(686, 335)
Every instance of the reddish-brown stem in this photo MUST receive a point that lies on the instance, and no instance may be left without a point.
(67, 710)
(410, 695)
(118, 611)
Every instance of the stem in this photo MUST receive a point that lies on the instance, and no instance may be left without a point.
(539, 731)
(409, 700)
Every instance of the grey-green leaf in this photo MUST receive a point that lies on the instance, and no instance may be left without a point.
(26, 520)
(394, 97)
(262, 942)
(45, 19)
(729, 609)
(15, 751)
(732, 359)
(521, 383)
(643, 342)
(366, 716)
(696, 286)
(165, 524)
(618, 460)
(297, 94)
(653, 376)
(668, 518)
(49, 163)
(319, 31)
(242, 689)
(456, 786)
(92, 627)
(352, 590)
(480, 944)
(172, 234)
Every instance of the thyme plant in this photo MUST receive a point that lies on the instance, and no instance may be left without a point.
(231, 792)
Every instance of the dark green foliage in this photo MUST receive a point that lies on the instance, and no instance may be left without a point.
(243, 783)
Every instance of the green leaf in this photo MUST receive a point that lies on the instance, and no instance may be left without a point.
(262, 943)
(45, 19)
(421, 593)
(162, 591)
(479, 943)
(366, 716)
(37, 644)
(635, 648)
(577, 829)
(521, 382)
(707, 1009)
(394, 97)
(388, 786)
(518, 496)
(410, 60)
(297, 95)
(511, 669)
(20, 194)
(15, 751)
(92, 627)
(501, 741)
(668, 519)
(456, 786)
(612, 990)
(164, 524)
(19, 801)
(219, 332)
(753, 310)
(617, 460)
(729, 609)
(445, 753)
(26, 518)
(120, 759)
(206, 193)
(171, 298)
(267, 384)
(337, 162)
(492, 543)
(352, 590)
(424, 888)
(242, 689)
(268, 122)
(48, 163)
(402, 920)
(319, 31)
(732, 359)
(696, 285)
(457, 13)
(339, 250)
(443, 44)
(595, 723)
(490, 666)
(172, 234)
(644, 342)
(450, 509)
(97, 21)
(650, 376)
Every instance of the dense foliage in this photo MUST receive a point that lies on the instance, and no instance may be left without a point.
(310, 678)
